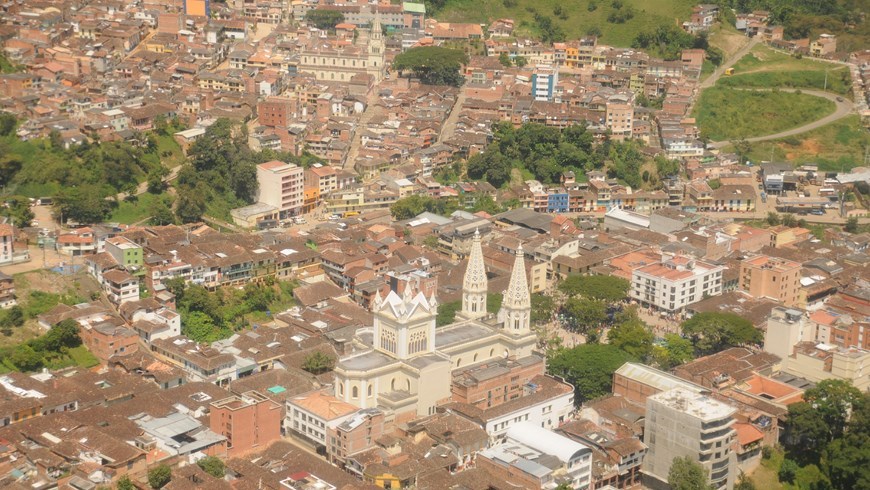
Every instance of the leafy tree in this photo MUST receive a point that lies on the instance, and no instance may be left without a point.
(521, 61)
(851, 225)
(447, 313)
(8, 122)
(317, 363)
(200, 327)
(675, 351)
(84, 204)
(324, 19)
(161, 213)
(632, 336)
(773, 219)
(666, 167)
(715, 55)
(712, 332)
(191, 204)
(213, 466)
(606, 288)
(687, 474)
(584, 314)
(504, 59)
(159, 476)
(543, 307)
(833, 400)
(63, 335)
(24, 358)
(789, 220)
(410, 206)
(14, 317)
(17, 208)
(124, 483)
(845, 461)
(155, 179)
(433, 65)
(589, 367)
(787, 471)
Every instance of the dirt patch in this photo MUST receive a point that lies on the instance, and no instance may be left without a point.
(80, 284)
(729, 42)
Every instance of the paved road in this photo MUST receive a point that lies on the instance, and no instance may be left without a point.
(712, 79)
(372, 108)
(448, 129)
(844, 108)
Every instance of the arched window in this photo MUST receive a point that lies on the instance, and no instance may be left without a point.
(475, 358)
(491, 352)
(393, 384)
(340, 389)
(408, 385)
(354, 392)
(370, 391)
(458, 362)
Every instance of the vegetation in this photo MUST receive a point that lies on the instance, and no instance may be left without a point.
(51, 349)
(159, 476)
(413, 205)
(324, 19)
(589, 367)
(545, 152)
(212, 465)
(668, 42)
(208, 316)
(433, 65)
(686, 474)
(318, 363)
(615, 22)
(725, 113)
(673, 351)
(124, 483)
(712, 332)
(597, 287)
(839, 80)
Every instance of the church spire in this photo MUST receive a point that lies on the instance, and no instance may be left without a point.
(516, 306)
(475, 283)
(377, 30)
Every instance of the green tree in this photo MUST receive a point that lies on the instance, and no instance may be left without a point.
(543, 307)
(632, 336)
(433, 65)
(521, 61)
(584, 314)
(846, 461)
(675, 351)
(161, 213)
(666, 167)
(589, 367)
(159, 476)
(773, 219)
(63, 335)
(8, 122)
(14, 317)
(324, 19)
(17, 208)
(789, 220)
(191, 205)
(606, 288)
(24, 358)
(447, 313)
(687, 474)
(213, 466)
(84, 204)
(410, 206)
(124, 483)
(712, 332)
(851, 225)
(833, 401)
(199, 327)
(317, 363)
(504, 59)
(787, 471)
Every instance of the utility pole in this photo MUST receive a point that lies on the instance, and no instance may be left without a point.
(826, 79)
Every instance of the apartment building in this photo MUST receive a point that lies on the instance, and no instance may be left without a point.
(620, 116)
(281, 185)
(675, 282)
(681, 423)
(354, 435)
(311, 416)
(771, 277)
(249, 421)
(544, 81)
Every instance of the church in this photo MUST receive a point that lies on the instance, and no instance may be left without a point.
(404, 365)
(339, 63)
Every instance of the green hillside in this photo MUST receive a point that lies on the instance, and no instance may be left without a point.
(576, 18)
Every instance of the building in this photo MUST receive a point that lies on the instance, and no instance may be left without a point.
(248, 422)
(354, 435)
(532, 458)
(342, 63)
(408, 352)
(7, 291)
(7, 236)
(824, 46)
(681, 423)
(545, 78)
(312, 415)
(198, 8)
(281, 185)
(620, 116)
(675, 282)
(769, 277)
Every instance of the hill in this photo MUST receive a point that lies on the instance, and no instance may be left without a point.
(576, 18)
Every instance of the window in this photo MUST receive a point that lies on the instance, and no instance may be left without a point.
(370, 391)
(354, 393)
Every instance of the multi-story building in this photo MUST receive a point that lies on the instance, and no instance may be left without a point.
(249, 421)
(120, 286)
(763, 276)
(311, 416)
(544, 81)
(354, 435)
(126, 253)
(825, 45)
(7, 291)
(6, 238)
(681, 423)
(323, 177)
(675, 282)
(342, 63)
(281, 185)
(620, 116)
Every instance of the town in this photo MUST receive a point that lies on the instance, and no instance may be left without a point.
(356, 244)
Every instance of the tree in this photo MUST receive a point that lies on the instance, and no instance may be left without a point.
(687, 474)
(589, 367)
(17, 208)
(199, 327)
(159, 476)
(161, 213)
(675, 351)
(521, 61)
(318, 363)
(712, 332)
(744, 483)
(447, 313)
(504, 59)
(14, 317)
(787, 471)
(124, 483)
(63, 335)
(8, 122)
(84, 204)
(773, 219)
(324, 19)
(584, 314)
(666, 167)
(788, 220)
(543, 307)
(833, 400)
(845, 461)
(433, 65)
(606, 288)
(410, 206)
(155, 179)
(807, 433)
(24, 358)
(851, 225)
(213, 466)
(191, 205)
(632, 336)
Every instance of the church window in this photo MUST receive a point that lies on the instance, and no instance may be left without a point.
(370, 391)
(393, 384)
(458, 362)
(475, 358)
(340, 389)
(354, 392)
(408, 385)
(491, 352)
(354, 62)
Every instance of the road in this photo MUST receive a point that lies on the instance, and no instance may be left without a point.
(712, 79)
(448, 129)
(372, 109)
(844, 108)
(142, 188)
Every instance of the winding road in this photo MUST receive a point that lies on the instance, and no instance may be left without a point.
(844, 108)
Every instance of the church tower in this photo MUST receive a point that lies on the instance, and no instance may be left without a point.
(516, 306)
(404, 326)
(475, 283)
(376, 49)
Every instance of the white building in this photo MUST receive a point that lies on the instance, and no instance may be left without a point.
(681, 423)
(528, 447)
(6, 236)
(309, 416)
(545, 78)
(676, 282)
(282, 186)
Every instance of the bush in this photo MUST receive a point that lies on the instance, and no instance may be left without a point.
(159, 476)
(787, 471)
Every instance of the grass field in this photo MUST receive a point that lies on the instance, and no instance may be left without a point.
(648, 14)
(724, 114)
(838, 80)
(839, 146)
(134, 210)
